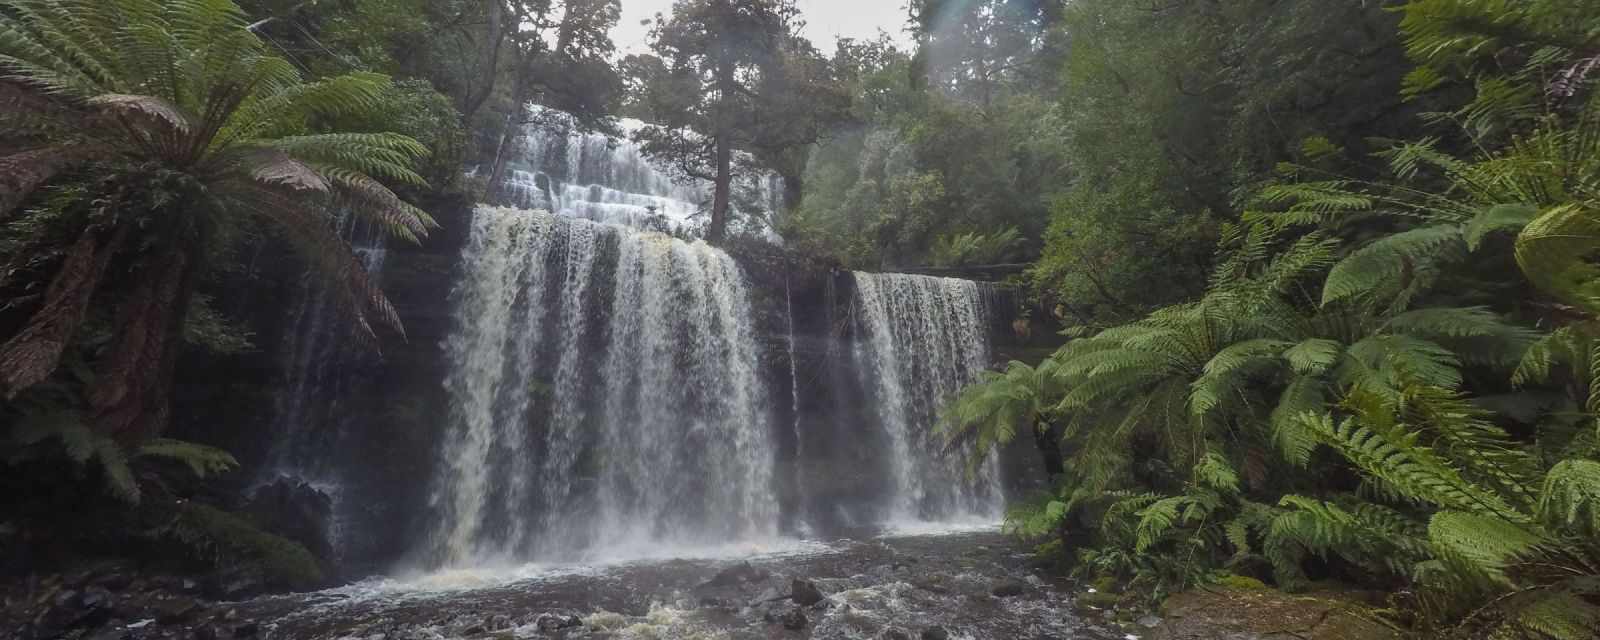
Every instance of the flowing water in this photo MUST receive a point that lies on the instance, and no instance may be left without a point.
(311, 419)
(555, 167)
(874, 589)
(613, 435)
(923, 339)
(605, 396)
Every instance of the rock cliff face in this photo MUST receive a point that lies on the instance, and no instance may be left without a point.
(376, 434)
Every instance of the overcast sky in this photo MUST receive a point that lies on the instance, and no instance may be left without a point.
(826, 20)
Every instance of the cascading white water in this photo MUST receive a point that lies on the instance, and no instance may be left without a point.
(315, 344)
(922, 339)
(310, 417)
(557, 168)
(605, 395)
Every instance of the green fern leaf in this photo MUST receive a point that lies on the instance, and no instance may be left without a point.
(1502, 217)
(1482, 545)
(1390, 264)
(204, 461)
(1570, 497)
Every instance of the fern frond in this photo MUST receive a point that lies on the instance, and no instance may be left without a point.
(119, 476)
(1313, 355)
(1555, 249)
(1381, 361)
(1389, 265)
(1225, 368)
(1304, 395)
(1482, 546)
(1557, 614)
(1502, 217)
(204, 461)
(1214, 472)
(1395, 458)
(1570, 497)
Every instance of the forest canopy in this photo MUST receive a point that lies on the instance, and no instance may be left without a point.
(1329, 268)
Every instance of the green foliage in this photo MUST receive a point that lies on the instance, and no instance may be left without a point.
(974, 248)
(204, 461)
(1388, 368)
(44, 433)
(166, 132)
(229, 541)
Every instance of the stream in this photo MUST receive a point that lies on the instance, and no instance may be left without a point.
(971, 584)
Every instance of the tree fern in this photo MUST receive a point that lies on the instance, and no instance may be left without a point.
(137, 87)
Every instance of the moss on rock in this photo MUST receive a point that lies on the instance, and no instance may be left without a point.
(232, 540)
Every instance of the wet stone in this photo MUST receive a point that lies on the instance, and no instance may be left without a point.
(805, 593)
(794, 620)
(1009, 588)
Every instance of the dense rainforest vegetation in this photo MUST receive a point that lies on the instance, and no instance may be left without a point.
(1328, 268)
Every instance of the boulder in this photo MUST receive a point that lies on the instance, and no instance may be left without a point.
(1009, 588)
(551, 623)
(735, 575)
(176, 610)
(805, 592)
(794, 620)
(297, 511)
(935, 633)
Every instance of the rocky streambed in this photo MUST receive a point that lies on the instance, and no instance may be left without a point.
(971, 585)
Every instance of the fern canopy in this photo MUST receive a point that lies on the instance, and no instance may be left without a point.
(167, 131)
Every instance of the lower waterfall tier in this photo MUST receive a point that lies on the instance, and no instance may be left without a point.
(604, 392)
(614, 392)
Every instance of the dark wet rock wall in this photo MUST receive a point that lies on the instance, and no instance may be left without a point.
(392, 410)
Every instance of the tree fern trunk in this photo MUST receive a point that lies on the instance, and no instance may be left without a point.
(130, 399)
(30, 356)
(1045, 439)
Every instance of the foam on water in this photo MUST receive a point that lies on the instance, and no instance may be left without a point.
(487, 575)
(911, 527)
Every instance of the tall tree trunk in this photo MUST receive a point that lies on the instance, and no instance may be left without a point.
(502, 152)
(493, 40)
(723, 191)
(794, 191)
(30, 356)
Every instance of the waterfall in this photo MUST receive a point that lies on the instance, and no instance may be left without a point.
(605, 395)
(310, 415)
(557, 168)
(922, 339)
(794, 403)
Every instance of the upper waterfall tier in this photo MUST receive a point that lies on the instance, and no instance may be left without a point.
(557, 168)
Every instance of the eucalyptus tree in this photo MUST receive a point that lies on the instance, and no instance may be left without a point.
(140, 137)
